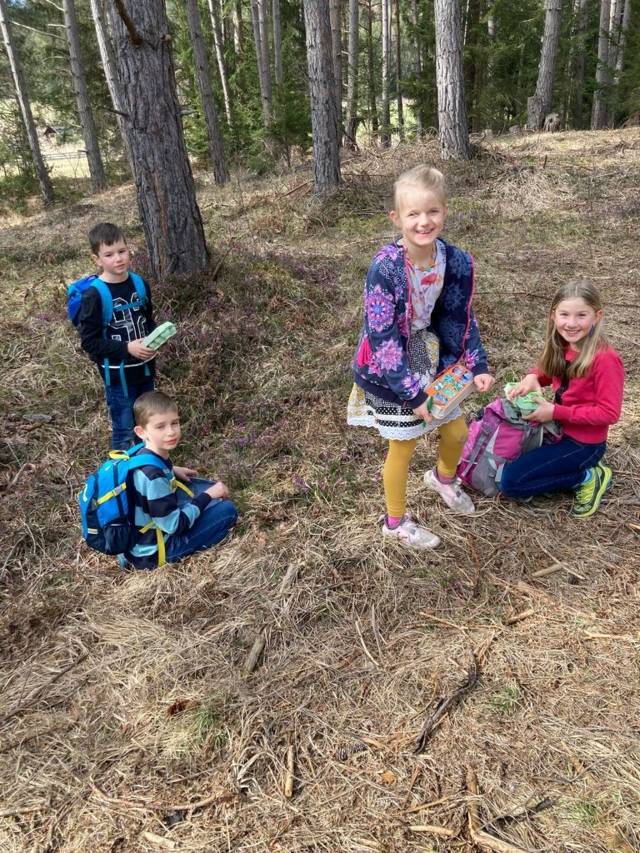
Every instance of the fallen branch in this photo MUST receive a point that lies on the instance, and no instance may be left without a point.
(289, 776)
(442, 831)
(256, 651)
(447, 704)
(479, 836)
(518, 617)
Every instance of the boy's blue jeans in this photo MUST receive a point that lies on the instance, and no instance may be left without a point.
(550, 468)
(120, 403)
(210, 527)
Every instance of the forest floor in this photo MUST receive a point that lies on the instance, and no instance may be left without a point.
(130, 720)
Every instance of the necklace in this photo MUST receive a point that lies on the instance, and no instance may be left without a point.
(429, 264)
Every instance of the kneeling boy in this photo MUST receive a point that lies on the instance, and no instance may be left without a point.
(167, 519)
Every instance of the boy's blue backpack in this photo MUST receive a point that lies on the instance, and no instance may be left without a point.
(76, 289)
(106, 512)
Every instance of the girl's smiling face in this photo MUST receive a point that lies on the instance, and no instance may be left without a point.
(420, 216)
(574, 319)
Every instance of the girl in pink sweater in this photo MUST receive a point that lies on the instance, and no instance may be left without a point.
(587, 377)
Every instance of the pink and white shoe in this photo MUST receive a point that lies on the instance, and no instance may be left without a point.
(451, 493)
(411, 535)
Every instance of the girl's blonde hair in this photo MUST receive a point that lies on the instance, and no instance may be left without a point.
(422, 178)
(552, 362)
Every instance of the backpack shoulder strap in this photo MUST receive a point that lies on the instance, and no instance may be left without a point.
(105, 298)
(142, 459)
(138, 283)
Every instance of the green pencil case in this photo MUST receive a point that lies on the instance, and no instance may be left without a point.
(160, 335)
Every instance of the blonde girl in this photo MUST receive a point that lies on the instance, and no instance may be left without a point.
(417, 321)
(587, 378)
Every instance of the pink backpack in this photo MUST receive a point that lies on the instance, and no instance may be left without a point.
(498, 436)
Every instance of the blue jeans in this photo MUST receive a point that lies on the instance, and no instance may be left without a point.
(210, 527)
(121, 409)
(550, 468)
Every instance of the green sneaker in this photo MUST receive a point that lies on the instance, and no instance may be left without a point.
(588, 495)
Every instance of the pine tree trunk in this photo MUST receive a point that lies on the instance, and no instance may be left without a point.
(373, 108)
(25, 107)
(277, 41)
(96, 169)
(452, 113)
(335, 17)
(352, 80)
(238, 36)
(599, 110)
(324, 117)
(622, 39)
(109, 68)
(578, 62)
(164, 183)
(540, 104)
(472, 72)
(399, 73)
(216, 146)
(262, 58)
(417, 46)
(218, 44)
(385, 129)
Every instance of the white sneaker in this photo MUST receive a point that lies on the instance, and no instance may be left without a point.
(451, 494)
(411, 535)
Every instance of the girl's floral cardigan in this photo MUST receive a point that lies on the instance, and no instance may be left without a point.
(380, 364)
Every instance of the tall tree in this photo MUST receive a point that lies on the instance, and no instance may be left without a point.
(577, 63)
(216, 146)
(109, 67)
(164, 183)
(238, 36)
(373, 108)
(25, 106)
(399, 72)
(351, 126)
(277, 41)
(385, 20)
(452, 113)
(216, 29)
(261, 41)
(324, 117)
(417, 48)
(599, 110)
(96, 169)
(335, 17)
(539, 105)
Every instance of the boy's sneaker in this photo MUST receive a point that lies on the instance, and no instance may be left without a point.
(451, 493)
(588, 495)
(411, 535)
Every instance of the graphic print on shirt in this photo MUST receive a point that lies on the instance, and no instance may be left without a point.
(129, 322)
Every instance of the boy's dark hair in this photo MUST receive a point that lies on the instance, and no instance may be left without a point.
(150, 404)
(104, 234)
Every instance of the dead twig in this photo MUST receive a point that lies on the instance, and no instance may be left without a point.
(35, 694)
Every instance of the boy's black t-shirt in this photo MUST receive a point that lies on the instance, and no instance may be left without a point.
(130, 321)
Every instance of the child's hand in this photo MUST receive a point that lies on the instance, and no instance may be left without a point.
(525, 386)
(184, 474)
(218, 490)
(483, 381)
(423, 412)
(138, 350)
(543, 414)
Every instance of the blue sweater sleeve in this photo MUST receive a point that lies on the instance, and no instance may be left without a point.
(159, 502)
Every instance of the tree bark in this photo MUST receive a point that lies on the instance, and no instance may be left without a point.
(109, 68)
(385, 128)
(335, 17)
(218, 44)
(25, 107)
(399, 72)
(96, 169)
(216, 146)
(324, 117)
(373, 108)
(452, 113)
(578, 62)
(164, 183)
(417, 46)
(599, 110)
(260, 39)
(351, 128)
(238, 36)
(540, 103)
(277, 41)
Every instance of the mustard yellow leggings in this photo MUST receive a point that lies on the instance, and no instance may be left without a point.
(396, 466)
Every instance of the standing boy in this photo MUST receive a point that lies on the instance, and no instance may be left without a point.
(115, 342)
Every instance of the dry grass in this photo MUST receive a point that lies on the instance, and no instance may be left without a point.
(129, 721)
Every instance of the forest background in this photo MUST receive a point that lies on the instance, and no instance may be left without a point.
(304, 687)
